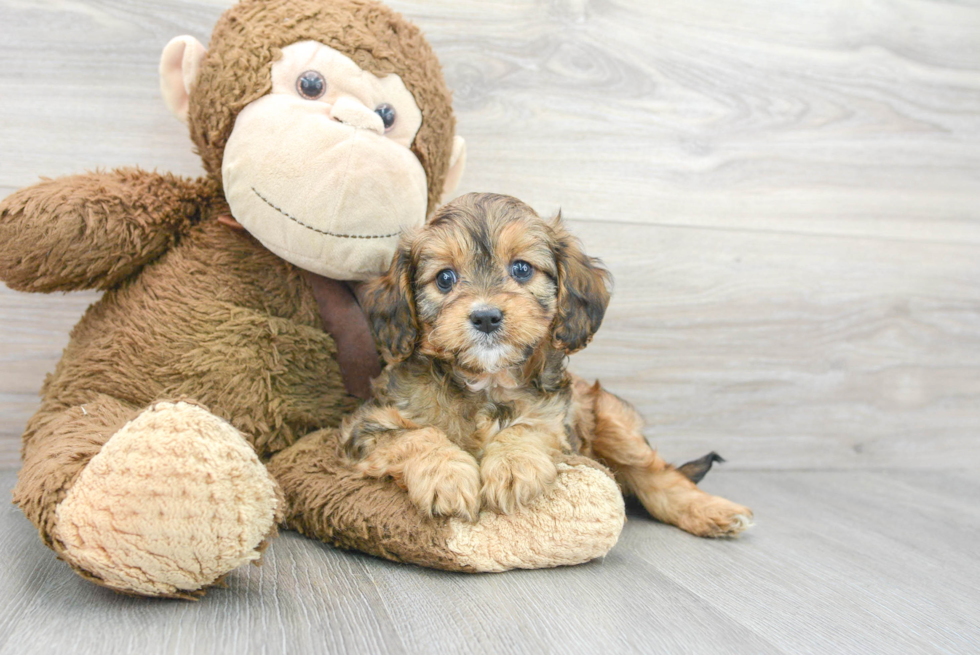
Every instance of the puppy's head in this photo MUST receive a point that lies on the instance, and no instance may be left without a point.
(485, 284)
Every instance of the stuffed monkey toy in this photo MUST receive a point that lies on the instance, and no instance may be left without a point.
(193, 408)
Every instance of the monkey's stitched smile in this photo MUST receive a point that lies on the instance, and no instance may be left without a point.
(318, 230)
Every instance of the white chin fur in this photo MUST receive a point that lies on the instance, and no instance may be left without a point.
(493, 357)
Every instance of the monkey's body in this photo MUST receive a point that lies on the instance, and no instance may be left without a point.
(190, 412)
(217, 319)
(208, 350)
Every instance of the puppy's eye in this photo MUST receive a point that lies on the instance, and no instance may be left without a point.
(387, 114)
(446, 280)
(521, 270)
(311, 85)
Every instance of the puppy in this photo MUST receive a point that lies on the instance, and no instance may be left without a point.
(476, 318)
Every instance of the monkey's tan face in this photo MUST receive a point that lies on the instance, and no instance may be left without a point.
(320, 170)
(486, 289)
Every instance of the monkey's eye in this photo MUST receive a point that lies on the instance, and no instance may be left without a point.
(521, 271)
(311, 85)
(387, 114)
(446, 280)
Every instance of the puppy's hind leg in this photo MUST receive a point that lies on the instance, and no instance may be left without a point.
(665, 491)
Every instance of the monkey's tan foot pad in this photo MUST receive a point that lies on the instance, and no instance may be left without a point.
(173, 501)
(578, 520)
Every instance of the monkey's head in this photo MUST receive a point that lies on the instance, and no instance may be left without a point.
(327, 123)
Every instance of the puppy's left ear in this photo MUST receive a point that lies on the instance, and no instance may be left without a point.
(584, 288)
(389, 304)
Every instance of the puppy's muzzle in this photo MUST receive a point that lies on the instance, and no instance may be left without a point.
(487, 319)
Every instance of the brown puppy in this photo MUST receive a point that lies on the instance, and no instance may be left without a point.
(476, 318)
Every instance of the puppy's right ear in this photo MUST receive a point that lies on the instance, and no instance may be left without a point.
(389, 304)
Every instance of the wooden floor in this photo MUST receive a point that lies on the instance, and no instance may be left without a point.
(841, 562)
(788, 194)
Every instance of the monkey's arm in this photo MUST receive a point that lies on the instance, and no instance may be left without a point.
(92, 230)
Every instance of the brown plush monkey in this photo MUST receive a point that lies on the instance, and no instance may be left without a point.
(192, 409)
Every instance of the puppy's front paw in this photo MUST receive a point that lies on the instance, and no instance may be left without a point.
(445, 482)
(513, 476)
(713, 516)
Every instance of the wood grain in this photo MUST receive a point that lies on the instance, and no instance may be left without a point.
(35, 330)
(790, 351)
(857, 118)
(871, 562)
(788, 195)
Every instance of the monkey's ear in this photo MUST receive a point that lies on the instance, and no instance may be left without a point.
(584, 288)
(457, 162)
(389, 304)
(179, 66)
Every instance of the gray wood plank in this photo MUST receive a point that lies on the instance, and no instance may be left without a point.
(880, 562)
(844, 562)
(856, 118)
(33, 331)
(790, 351)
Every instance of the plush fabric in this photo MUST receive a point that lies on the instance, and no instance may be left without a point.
(355, 225)
(579, 520)
(95, 230)
(121, 522)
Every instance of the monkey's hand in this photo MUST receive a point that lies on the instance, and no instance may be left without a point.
(93, 230)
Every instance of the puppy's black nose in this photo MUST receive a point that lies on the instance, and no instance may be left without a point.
(487, 320)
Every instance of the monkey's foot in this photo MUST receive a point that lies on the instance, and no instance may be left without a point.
(578, 519)
(173, 501)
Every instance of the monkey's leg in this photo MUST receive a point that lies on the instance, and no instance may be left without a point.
(158, 502)
(665, 492)
(578, 519)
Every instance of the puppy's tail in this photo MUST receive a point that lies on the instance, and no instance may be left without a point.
(695, 470)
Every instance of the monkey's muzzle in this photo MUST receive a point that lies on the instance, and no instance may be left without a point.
(325, 196)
